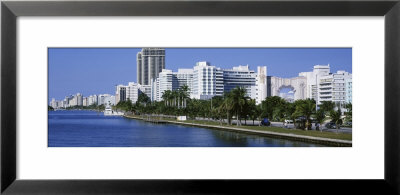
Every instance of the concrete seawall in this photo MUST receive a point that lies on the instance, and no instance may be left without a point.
(303, 138)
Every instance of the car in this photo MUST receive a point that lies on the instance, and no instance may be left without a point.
(330, 125)
(265, 122)
(288, 121)
(349, 123)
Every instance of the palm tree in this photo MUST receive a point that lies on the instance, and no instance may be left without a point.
(239, 99)
(227, 107)
(290, 110)
(320, 117)
(174, 96)
(336, 118)
(185, 94)
(327, 106)
(166, 96)
(306, 108)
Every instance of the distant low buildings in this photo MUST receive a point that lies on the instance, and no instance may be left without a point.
(79, 100)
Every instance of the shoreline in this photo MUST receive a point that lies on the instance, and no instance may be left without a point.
(287, 136)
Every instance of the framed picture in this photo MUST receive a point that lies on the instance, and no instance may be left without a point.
(58, 154)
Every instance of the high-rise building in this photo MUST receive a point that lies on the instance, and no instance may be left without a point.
(349, 89)
(168, 80)
(92, 100)
(131, 92)
(181, 78)
(155, 90)
(239, 76)
(150, 62)
(146, 89)
(120, 93)
(102, 99)
(207, 81)
(79, 99)
(109, 100)
(332, 88)
(165, 82)
(261, 83)
(85, 101)
(313, 80)
(53, 103)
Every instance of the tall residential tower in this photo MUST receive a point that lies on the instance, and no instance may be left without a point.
(150, 62)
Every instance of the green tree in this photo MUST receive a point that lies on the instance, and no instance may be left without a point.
(305, 108)
(227, 107)
(50, 108)
(251, 109)
(290, 112)
(270, 104)
(349, 112)
(336, 117)
(320, 117)
(167, 96)
(239, 99)
(327, 106)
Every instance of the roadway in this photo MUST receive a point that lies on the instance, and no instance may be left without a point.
(290, 126)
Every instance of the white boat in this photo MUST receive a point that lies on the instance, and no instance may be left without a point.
(109, 112)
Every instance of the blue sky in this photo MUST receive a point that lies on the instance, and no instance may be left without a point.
(97, 70)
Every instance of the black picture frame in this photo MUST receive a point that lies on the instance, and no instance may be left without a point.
(11, 10)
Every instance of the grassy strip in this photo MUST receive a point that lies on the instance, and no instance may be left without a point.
(313, 133)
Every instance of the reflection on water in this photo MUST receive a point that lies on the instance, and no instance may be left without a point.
(92, 129)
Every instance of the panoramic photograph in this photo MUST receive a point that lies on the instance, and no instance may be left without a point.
(199, 97)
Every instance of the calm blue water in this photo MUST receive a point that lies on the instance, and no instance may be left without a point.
(79, 128)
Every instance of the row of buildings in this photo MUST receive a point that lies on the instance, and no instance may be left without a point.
(79, 100)
(206, 81)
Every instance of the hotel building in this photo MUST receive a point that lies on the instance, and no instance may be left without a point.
(150, 62)
(206, 81)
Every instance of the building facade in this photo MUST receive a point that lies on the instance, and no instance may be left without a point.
(349, 90)
(150, 62)
(332, 88)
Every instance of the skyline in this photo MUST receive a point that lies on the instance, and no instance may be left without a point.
(97, 70)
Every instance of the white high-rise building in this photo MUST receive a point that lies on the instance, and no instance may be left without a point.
(207, 81)
(73, 101)
(85, 101)
(168, 80)
(102, 99)
(181, 78)
(146, 89)
(120, 93)
(132, 92)
(240, 76)
(349, 89)
(92, 100)
(332, 87)
(53, 103)
(109, 100)
(261, 83)
(165, 82)
(155, 90)
(313, 79)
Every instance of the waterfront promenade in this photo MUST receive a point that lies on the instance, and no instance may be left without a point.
(244, 129)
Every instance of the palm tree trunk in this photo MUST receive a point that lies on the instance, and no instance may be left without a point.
(237, 119)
